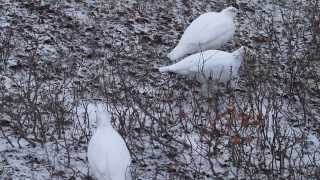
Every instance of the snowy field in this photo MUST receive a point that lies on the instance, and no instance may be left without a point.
(58, 56)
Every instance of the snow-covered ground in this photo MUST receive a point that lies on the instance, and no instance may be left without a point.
(57, 56)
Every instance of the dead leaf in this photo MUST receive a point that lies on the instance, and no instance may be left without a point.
(235, 140)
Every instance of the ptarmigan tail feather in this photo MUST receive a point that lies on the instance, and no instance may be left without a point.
(172, 55)
(164, 69)
(176, 53)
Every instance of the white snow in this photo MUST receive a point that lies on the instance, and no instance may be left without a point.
(209, 31)
(108, 155)
(3, 22)
(105, 24)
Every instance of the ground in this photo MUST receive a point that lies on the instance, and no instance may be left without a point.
(58, 56)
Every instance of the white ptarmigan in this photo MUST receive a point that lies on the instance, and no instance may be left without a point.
(210, 64)
(108, 155)
(209, 31)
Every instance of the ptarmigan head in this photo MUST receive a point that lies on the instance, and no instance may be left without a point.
(241, 53)
(231, 11)
(103, 117)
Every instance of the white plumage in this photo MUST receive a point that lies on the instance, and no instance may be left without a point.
(209, 31)
(108, 155)
(211, 64)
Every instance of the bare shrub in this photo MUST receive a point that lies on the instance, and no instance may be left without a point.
(266, 128)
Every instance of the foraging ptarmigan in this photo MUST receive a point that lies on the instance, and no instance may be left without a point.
(210, 64)
(209, 31)
(108, 155)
